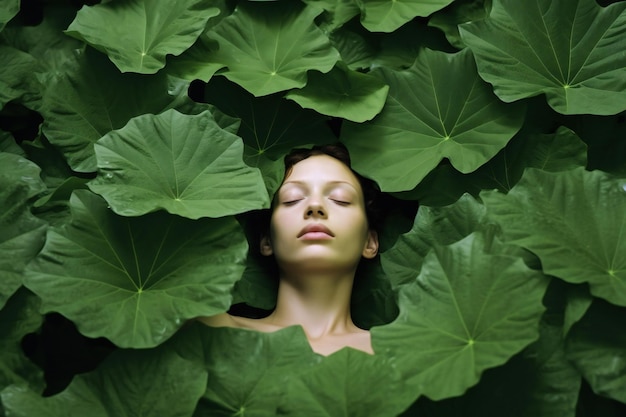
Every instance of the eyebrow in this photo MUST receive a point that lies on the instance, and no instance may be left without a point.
(329, 182)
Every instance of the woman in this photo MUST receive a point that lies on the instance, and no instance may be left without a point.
(319, 231)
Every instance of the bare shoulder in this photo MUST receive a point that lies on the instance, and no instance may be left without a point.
(226, 320)
(219, 320)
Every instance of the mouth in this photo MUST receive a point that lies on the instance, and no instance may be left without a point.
(315, 231)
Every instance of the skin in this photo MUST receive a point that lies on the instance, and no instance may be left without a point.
(316, 267)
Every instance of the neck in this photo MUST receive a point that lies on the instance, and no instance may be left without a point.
(319, 302)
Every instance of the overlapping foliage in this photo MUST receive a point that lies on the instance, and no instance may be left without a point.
(138, 137)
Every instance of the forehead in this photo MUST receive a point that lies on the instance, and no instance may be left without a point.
(321, 168)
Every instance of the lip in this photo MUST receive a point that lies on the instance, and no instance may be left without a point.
(315, 231)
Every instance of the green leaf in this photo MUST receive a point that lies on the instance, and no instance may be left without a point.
(448, 19)
(355, 50)
(8, 10)
(556, 388)
(432, 226)
(248, 370)
(270, 127)
(437, 109)
(336, 12)
(75, 120)
(8, 144)
(138, 34)
(569, 50)
(154, 382)
(346, 383)
(559, 151)
(574, 222)
(196, 63)
(17, 77)
(135, 280)
(19, 317)
(597, 347)
(468, 310)
(187, 165)
(46, 41)
(21, 234)
(269, 47)
(387, 16)
(578, 302)
(342, 93)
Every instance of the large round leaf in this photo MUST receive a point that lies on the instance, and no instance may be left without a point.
(574, 222)
(439, 108)
(569, 50)
(187, 165)
(135, 280)
(248, 371)
(597, 347)
(468, 310)
(387, 16)
(138, 34)
(21, 234)
(342, 93)
(269, 46)
(74, 119)
(154, 382)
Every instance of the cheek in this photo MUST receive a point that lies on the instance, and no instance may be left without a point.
(279, 224)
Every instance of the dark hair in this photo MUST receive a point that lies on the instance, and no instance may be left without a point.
(371, 192)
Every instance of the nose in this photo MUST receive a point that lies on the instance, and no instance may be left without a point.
(315, 210)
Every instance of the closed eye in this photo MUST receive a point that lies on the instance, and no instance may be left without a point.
(291, 202)
(341, 202)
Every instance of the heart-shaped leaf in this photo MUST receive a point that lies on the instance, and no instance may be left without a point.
(269, 46)
(138, 34)
(574, 221)
(135, 280)
(187, 165)
(467, 311)
(569, 50)
(439, 108)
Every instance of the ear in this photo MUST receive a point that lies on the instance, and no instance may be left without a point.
(371, 245)
(266, 246)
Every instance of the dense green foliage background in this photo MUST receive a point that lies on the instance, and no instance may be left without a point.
(139, 138)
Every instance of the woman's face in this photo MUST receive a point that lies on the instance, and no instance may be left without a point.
(319, 218)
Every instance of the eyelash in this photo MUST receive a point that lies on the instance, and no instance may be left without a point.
(291, 202)
(339, 202)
